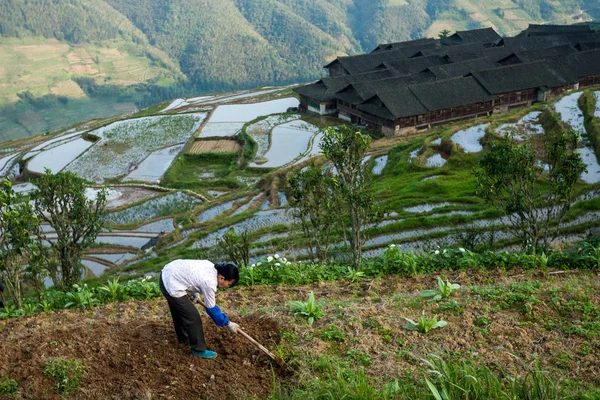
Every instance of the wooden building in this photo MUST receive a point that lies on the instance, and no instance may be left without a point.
(402, 87)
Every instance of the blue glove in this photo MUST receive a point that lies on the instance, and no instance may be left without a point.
(217, 316)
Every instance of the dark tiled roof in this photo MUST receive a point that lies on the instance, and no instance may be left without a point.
(493, 53)
(366, 90)
(519, 77)
(423, 43)
(583, 46)
(339, 82)
(450, 93)
(538, 54)
(524, 43)
(315, 91)
(484, 36)
(585, 63)
(458, 49)
(367, 62)
(399, 103)
(540, 30)
(326, 88)
(461, 69)
(414, 65)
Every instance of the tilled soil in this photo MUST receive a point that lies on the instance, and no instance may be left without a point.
(131, 352)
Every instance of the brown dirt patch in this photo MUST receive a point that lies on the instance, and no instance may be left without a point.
(39, 52)
(215, 146)
(510, 15)
(130, 352)
(130, 195)
(82, 69)
(478, 17)
(67, 88)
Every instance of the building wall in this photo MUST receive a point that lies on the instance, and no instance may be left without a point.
(593, 80)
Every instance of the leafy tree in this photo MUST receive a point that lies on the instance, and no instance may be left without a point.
(510, 178)
(19, 239)
(60, 201)
(345, 147)
(444, 33)
(237, 246)
(316, 205)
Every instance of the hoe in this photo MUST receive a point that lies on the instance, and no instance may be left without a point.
(254, 342)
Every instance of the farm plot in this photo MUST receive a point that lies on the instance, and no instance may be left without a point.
(248, 112)
(380, 163)
(569, 111)
(125, 144)
(315, 149)
(228, 120)
(167, 205)
(288, 142)
(115, 258)
(215, 146)
(47, 144)
(6, 164)
(571, 114)
(155, 165)
(58, 157)
(221, 129)
(469, 138)
(261, 130)
(527, 125)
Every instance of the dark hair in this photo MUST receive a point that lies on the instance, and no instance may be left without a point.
(229, 271)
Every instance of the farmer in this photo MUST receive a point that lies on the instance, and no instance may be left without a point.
(196, 276)
(1, 295)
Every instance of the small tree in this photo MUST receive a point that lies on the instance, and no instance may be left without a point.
(444, 33)
(236, 246)
(345, 147)
(60, 201)
(19, 239)
(510, 178)
(316, 206)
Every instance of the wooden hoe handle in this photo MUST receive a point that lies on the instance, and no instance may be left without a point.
(250, 338)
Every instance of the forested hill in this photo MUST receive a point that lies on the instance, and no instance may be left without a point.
(222, 44)
(64, 61)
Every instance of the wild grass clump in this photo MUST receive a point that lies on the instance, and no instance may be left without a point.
(443, 378)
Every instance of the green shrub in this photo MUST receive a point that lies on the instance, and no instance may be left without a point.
(8, 385)
(66, 373)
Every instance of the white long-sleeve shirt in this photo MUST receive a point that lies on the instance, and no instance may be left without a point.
(198, 276)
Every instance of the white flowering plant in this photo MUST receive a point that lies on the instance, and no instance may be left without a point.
(450, 258)
(269, 268)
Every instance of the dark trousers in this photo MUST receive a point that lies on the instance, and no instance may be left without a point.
(186, 319)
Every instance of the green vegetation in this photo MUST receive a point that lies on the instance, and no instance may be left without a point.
(66, 373)
(510, 179)
(123, 54)
(8, 386)
(588, 104)
(424, 324)
(60, 202)
(311, 309)
(444, 291)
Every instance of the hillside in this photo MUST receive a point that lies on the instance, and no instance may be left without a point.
(536, 327)
(133, 53)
